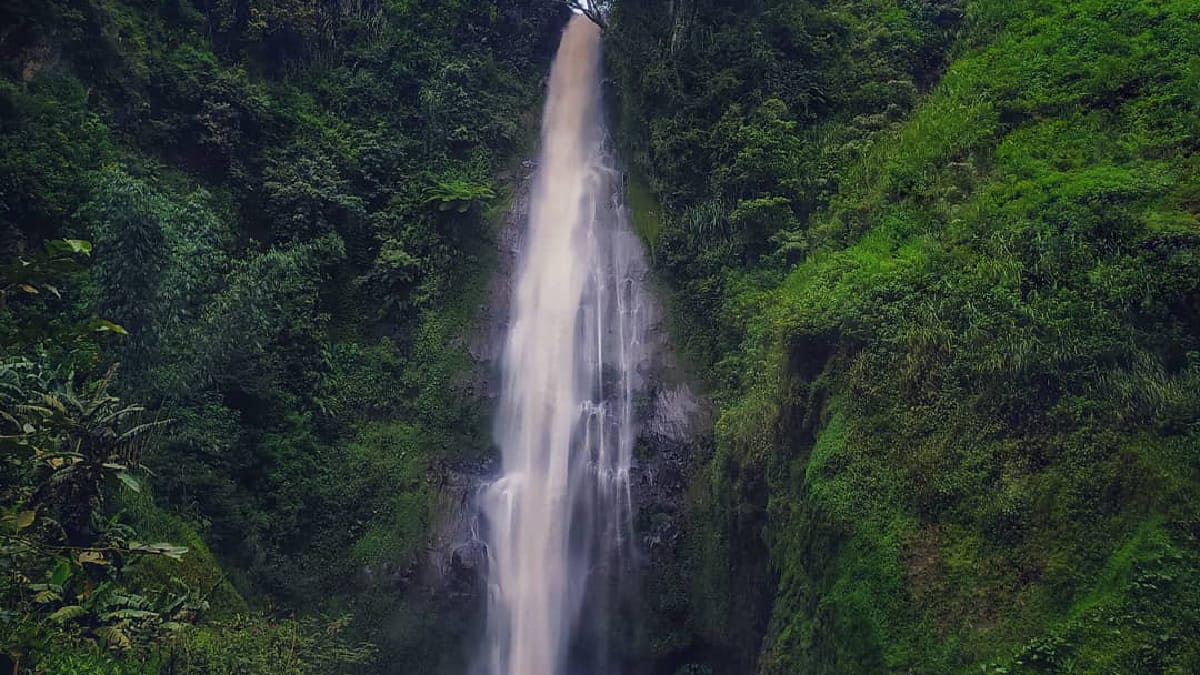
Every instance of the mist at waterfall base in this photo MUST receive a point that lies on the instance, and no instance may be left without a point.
(557, 521)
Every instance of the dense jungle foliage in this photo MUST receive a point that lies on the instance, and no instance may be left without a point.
(938, 261)
(242, 243)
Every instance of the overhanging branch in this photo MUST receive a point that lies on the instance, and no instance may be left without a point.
(592, 10)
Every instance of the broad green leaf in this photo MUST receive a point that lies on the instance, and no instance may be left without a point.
(91, 558)
(129, 614)
(54, 402)
(105, 326)
(66, 613)
(69, 246)
(62, 572)
(25, 519)
(79, 246)
(129, 481)
(169, 550)
(113, 637)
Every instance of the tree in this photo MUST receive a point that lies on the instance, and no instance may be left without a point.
(127, 216)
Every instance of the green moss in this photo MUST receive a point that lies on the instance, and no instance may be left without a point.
(197, 570)
(72, 662)
(396, 458)
(644, 211)
(973, 383)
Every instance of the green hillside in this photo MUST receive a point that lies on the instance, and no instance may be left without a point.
(951, 250)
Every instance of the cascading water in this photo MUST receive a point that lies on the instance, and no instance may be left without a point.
(558, 518)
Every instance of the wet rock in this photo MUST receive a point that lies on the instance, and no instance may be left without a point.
(457, 558)
(487, 343)
(468, 568)
(456, 564)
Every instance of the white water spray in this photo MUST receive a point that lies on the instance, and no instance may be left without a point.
(558, 517)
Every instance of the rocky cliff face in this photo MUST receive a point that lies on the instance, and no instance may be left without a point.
(673, 433)
(673, 443)
(455, 566)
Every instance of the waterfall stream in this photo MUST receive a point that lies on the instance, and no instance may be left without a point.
(558, 518)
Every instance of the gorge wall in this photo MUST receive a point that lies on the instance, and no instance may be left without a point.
(926, 398)
(933, 262)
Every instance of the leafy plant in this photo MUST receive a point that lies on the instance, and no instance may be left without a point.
(459, 194)
(37, 274)
(64, 551)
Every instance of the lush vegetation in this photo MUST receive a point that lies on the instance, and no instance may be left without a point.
(938, 261)
(276, 216)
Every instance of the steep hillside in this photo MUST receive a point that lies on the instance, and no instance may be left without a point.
(935, 262)
(940, 261)
(290, 209)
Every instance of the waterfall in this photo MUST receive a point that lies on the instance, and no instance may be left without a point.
(558, 518)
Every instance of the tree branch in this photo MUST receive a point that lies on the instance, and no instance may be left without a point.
(593, 11)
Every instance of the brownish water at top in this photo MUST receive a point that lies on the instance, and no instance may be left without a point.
(558, 515)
